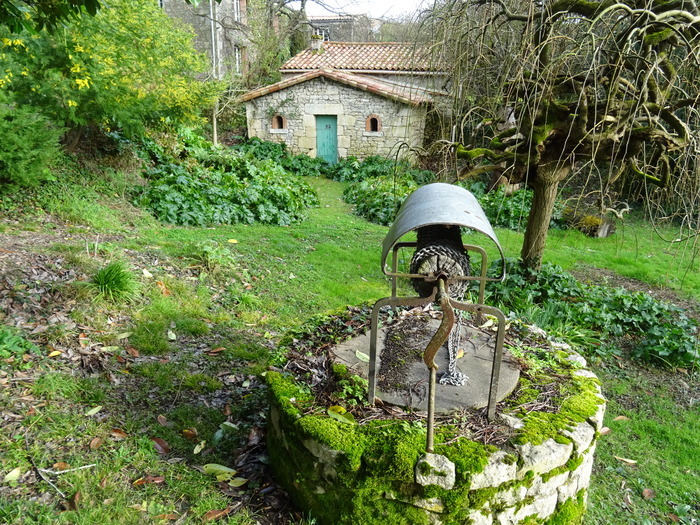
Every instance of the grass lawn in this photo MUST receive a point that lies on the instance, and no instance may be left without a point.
(115, 413)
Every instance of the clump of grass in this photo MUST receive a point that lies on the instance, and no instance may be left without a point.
(114, 282)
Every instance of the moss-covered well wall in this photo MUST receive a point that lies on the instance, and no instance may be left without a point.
(372, 473)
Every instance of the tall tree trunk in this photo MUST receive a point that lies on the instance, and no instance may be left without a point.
(545, 188)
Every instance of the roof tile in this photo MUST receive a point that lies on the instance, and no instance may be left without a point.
(362, 56)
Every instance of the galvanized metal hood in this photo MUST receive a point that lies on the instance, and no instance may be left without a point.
(439, 203)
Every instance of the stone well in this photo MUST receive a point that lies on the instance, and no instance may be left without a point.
(531, 465)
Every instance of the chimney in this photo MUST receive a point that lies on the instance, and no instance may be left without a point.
(316, 42)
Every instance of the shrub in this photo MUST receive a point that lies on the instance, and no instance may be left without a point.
(301, 165)
(205, 185)
(350, 169)
(92, 73)
(653, 330)
(378, 199)
(29, 142)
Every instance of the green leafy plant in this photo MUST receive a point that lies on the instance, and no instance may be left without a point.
(378, 199)
(114, 282)
(206, 185)
(13, 346)
(301, 165)
(350, 169)
(652, 330)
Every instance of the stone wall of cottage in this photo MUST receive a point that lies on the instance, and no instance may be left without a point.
(299, 105)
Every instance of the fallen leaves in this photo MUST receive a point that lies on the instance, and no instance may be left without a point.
(93, 411)
(216, 514)
(362, 356)
(224, 474)
(648, 494)
(340, 414)
(95, 443)
(190, 434)
(118, 433)
(13, 475)
(161, 446)
(146, 480)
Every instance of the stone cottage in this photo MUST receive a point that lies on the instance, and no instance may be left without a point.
(344, 99)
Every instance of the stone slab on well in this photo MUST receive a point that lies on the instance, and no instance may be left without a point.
(476, 363)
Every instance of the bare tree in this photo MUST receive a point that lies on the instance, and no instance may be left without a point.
(542, 87)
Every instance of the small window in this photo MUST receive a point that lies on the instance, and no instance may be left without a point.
(373, 124)
(279, 122)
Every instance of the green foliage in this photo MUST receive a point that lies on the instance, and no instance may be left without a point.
(301, 164)
(510, 211)
(35, 15)
(205, 185)
(114, 281)
(29, 142)
(352, 170)
(653, 330)
(14, 346)
(378, 199)
(379, 185)
(93, 74)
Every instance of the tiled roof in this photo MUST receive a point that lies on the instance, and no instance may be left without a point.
(413, 96)
(363, 56)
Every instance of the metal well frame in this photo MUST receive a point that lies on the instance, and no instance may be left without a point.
(443, 204)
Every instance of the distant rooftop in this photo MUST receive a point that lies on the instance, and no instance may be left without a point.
(362, 56)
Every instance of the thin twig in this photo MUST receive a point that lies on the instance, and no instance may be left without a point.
(57, 472)
(47, 480)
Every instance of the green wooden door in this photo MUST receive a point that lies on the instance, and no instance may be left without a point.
(327, 137)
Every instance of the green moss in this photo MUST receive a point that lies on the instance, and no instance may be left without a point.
(394, 449)
(539, 427)
(656, 38)
(287, 394)
(573, 463)
(472, 154)
(468, 456)
(340, 371)
(581, 398)
(570, 512)
(337, 436)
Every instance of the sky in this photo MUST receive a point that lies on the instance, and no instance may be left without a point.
(373, 8)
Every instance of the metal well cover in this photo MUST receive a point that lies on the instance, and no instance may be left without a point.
(438, 203)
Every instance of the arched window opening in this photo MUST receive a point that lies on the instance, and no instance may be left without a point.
(279, 122)
(373, 124)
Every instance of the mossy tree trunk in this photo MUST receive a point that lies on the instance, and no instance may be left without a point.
(545, 187)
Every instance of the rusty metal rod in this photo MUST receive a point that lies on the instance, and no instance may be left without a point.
(441, 335)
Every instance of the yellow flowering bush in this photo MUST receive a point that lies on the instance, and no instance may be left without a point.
(130, 67)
